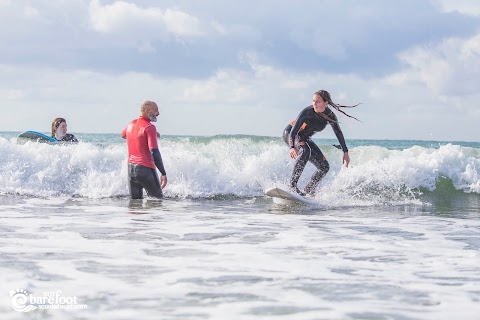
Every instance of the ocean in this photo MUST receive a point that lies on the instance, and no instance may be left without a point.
(394, 236)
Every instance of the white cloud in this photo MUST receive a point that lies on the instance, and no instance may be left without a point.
(230, 101)
(449, 68)
(471, 48)
(321, 43)
(31, 12)
(225, 87)
(468, 7)
(266, 85)
(181, 23)
(122, 16)
(352, 24)
(295, 84)
(11, 94)
(213, 91)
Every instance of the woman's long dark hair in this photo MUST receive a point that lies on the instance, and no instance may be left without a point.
(55, 123)
(326, 97)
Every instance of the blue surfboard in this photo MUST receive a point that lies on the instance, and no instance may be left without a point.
(34, 136)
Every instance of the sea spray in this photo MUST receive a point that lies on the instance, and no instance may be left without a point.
(238, 166)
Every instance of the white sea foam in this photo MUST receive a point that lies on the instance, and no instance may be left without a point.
(240, 257)
(240, 167)
(215, 264)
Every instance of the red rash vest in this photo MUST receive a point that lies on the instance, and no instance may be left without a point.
(141, 137)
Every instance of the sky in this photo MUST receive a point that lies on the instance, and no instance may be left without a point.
(242, 67)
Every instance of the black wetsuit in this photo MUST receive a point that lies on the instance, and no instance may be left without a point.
(141, 177)
(68, 138)
(307, 124)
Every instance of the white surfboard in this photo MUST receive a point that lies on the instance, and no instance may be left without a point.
(286, 197)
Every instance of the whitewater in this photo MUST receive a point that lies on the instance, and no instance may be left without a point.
(394, 236)
(241, 166)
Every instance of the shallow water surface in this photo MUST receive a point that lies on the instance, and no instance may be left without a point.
(239, 258)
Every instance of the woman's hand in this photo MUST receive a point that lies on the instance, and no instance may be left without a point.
(346, 159)
(293, 153)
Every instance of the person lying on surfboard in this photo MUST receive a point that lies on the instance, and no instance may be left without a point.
(297, 135)
(59, 131)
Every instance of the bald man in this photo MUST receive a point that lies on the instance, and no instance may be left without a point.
(143, 154)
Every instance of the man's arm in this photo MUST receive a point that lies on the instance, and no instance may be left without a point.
(157, 158)
(151, 133)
